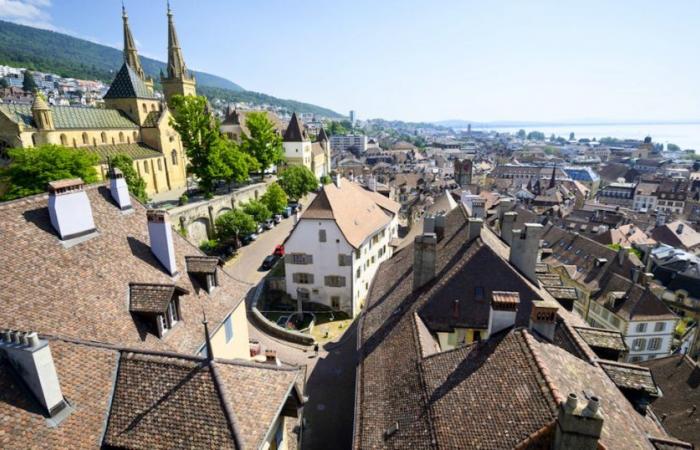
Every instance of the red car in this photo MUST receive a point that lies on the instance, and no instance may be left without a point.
(279, 251)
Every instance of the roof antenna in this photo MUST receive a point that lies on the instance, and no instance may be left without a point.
(210, 351)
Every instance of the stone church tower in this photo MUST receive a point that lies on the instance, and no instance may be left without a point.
(179, 81)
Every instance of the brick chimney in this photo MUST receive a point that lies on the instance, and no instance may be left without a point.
(424, 259)
(525, 249)
(502, 310)
(579, 424)
(543, 318)
(507, 225)
(31, 358)
(69, 209)
(119, 189)
(474, 228)
(160, 234)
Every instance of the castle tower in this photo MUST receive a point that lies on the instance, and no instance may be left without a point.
(131, 55)
(178, 80)
(42, 114)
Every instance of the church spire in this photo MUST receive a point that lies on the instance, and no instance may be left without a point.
(176, 63)
(553, 180)
(131, 56)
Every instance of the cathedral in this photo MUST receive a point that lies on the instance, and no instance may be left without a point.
(133, 121)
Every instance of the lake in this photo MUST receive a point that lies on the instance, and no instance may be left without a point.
(683, 135)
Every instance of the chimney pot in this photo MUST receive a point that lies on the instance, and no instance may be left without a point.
(592, 407)
(33, 339)
(571, 402)
(474, 228)
(543, 318)
(503, 310)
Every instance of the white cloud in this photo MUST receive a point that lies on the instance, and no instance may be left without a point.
(27, 12)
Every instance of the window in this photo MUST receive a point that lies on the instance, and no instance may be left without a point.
(144, 107)
(358, 253)
(334, 281)
(476, 335)
(160, 165)
(173, 157)
(103, 137)
(641, 327)
(302, 258)
(654, 344)
(321, 235)
(303, 294)
(170, 318)
(335, 302)
(86, 141)
(228, 328)
(358, 272)
(638, 344)
(136, 136)
(478, 293)
(303, 278)
(145, 166)
(344, 260)
(64, 140)
(660, 326)
(121, 137)
(153, 106)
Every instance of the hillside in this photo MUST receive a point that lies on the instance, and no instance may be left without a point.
(67, 56)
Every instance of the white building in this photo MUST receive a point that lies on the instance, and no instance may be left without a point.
(344, 143)
(339, 242)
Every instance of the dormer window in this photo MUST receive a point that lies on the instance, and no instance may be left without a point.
(157, 304)
(203, 269)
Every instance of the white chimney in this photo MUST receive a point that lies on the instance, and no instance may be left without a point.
(474, 228)
(69, 209)
(31, 358)
(372, 183)
(525, 249)
(502, 310)
(336, 180)
(507, 225)
(119, 189)
(543, 318)
(160, 234)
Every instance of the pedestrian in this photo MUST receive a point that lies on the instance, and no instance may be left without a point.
(316, 348)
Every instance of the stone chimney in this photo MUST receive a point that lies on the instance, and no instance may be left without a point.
(160, 234)
(440, 220)
(504, 205)
(507, 225)
(543, 318)
(525, 249)
(679, 229)
(645, 278)
(69, 209)
(502, 311)
(119, 189)
(474, 228)
(579, 424)
(429, 223)
(424, 259)
(31, 358)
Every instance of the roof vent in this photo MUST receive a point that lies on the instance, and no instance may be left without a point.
(69, 209)
(161, 236)
(119, 189)
(391, 430)
(503, 310)
(543, 318)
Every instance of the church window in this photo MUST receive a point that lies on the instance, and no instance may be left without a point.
(86, 141)
(145, 166)
(173, 155)
(136, 136)
(64, 139)
(160, 165)
(153, 106)
(103, 137)
(121, 137)
(145, 108)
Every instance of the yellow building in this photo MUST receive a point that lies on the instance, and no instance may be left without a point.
(133, 121)
(300, 151)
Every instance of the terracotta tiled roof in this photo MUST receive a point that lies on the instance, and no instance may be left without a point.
(677, 234)
(631, 377)
(602, 338)
(152, 298)
(82, 290)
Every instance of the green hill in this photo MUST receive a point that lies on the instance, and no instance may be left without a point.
(67, 56)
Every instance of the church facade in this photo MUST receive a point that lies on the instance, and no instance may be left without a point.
(133, 121)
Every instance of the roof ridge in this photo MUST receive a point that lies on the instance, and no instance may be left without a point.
(424, 385)
(549, 383)
(228, 409)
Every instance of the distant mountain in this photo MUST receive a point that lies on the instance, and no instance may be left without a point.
(67, 56)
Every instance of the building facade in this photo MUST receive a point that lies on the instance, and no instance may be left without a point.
(357, 142)
(300, 151)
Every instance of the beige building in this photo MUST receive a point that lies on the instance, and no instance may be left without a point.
(300, 151)
(133, 121)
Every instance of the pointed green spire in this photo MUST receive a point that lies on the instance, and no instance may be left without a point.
(131, 56)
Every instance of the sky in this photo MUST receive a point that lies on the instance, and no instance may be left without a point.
(508, 60)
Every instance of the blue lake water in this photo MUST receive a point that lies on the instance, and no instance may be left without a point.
(683, 135)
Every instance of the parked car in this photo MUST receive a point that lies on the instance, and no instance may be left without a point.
(269, 224)
(279, 250)
(259, 230)
(247, 239)
(287, 212)
(269, 261)
(296, 207)
(277, 218)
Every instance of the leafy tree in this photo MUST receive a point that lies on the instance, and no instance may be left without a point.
(325, 179)
(572, 136)
(28, 84)
(535, 136)
(297, 181)
(673, 148)
(234, 224)
(336, 129)
(4, 84)
(264, 143)
(136, 184)
(257, 210)
(552, 138)
(238, 164)
(274, 198)
(32, 168)
(521, 134)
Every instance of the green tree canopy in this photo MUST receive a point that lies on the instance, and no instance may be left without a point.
(31, 169)
(535, 136)
(4, 83)
(234, 224)
(257, 210)
(264, 143)
(336, 128)
(572, 136)
(28, 84)
(325, 179)
(136, 184)
(297, 181)
(275, 198)
(521, 134)
(238, 164)
(673, 148)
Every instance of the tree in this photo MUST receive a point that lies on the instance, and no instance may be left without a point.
(325, 179)
(572, 136)
(673, 148)
(521, 134)
(31, 169)
(136, 184)
(257, 210)
(274, 198)
(336, 129)
(4, 84)
(203, 142)
(238, 163)
(234, 224)
(28, 84)
(263, 142)
(297, 181)
(535, 136)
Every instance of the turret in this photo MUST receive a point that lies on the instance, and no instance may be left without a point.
(42, 114)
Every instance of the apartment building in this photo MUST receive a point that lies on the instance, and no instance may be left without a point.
(357, 142)
(341, 238)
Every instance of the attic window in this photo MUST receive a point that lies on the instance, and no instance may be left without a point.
(478, 293)
(203, 269)
(158, 304)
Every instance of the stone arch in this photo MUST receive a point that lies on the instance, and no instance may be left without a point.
(198, 230)
(223, 210)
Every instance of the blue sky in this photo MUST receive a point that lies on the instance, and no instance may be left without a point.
(424, 60)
